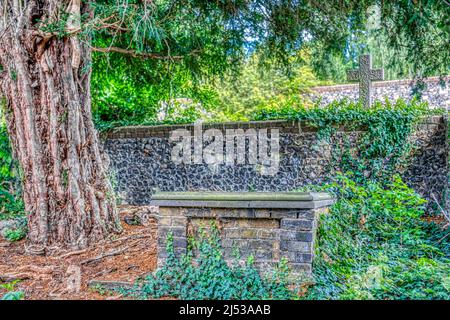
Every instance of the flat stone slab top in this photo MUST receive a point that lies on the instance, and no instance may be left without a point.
(275, 200)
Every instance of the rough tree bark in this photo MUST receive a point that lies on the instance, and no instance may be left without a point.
(45, 78)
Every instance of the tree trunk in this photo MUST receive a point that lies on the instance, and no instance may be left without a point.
(46, 83)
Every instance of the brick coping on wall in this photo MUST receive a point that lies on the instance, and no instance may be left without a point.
(376, 84)
(285, 126)
(237, 196)
(263, 200)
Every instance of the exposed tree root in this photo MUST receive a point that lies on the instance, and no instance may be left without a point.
(108, 254)
(66, 274)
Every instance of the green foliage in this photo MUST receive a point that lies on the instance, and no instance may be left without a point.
(57, 27)
(206, 275)
(265, 86)
(372, 40)
(382, 147)
(17, 233)
(374, 244)
(187, 40)
(175, 47)
(209, 37)
(98, 288)
(151, 97)
(10, 189)
(11, 294)
(395, 36)
(176, 98)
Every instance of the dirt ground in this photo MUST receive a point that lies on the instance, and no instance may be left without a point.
(67, 275)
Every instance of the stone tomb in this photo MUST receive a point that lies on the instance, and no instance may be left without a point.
(267, 225)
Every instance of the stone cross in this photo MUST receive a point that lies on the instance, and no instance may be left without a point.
(365, 74)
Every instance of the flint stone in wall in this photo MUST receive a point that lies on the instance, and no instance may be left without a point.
(141, 166)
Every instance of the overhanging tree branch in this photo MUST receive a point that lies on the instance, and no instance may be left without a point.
(137, 54)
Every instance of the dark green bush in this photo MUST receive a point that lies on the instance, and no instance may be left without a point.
(374, 244)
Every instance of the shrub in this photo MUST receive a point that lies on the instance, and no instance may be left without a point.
(374, 244)
(11, 203)
(208, 276)
(17, 233)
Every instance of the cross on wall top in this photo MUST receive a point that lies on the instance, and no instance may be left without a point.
(365, 74)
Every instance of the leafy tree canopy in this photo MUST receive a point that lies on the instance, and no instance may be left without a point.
(211, 36)
(148, 51)
(166, 47)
